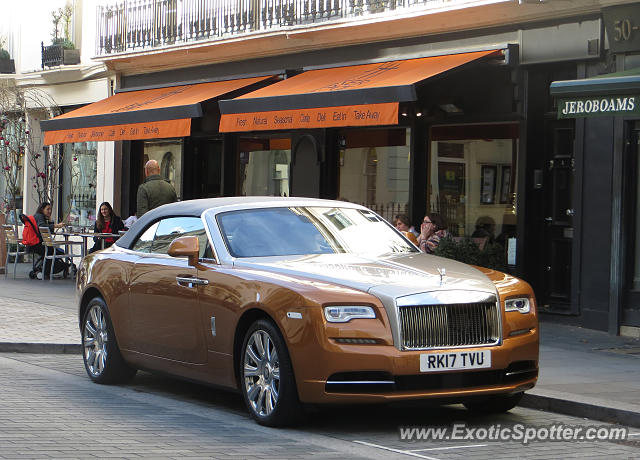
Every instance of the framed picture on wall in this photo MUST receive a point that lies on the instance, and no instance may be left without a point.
(488, 184)
(505, 185)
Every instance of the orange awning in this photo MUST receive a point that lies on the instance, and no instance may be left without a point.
(145, 114)
(359, 95)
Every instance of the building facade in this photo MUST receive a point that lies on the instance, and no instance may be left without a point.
(602, 109)
(403, 106)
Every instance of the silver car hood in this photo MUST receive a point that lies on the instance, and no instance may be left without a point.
(393, 276)
(395, 279)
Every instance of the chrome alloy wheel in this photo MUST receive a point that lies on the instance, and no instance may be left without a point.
(261, 373)
(94, 340)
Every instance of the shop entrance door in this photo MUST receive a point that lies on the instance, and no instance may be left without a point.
(631, 304)
(559, 212)
(203, 169)
(305, 175)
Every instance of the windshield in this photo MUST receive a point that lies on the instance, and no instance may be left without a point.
(308, 230)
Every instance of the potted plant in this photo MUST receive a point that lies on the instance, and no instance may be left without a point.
(6, 63)
(62, 49)
(70, 55)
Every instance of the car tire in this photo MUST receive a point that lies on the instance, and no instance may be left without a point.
(495, 404)
(266, 376)
(101, 354)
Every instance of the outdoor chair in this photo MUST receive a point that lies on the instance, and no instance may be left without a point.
(51, 250)
(13, 248)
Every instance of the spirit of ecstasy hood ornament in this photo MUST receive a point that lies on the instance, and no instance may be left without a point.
(443, 275)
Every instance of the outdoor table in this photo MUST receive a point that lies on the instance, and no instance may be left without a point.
(85, 237)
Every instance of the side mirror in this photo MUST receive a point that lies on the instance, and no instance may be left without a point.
(185, 246)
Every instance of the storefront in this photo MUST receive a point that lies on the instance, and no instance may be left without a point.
(430, 132)
(365, 133)
(402, 136)
(606, 113)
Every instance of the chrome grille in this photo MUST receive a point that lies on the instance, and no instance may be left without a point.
(455, 325)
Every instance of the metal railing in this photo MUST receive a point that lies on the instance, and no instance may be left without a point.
(133, 25)
(388, 211)
(52, 55)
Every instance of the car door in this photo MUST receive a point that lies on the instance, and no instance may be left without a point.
(163, 295)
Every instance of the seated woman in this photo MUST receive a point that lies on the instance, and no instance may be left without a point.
(403, 223)
(107, 222)
(42, 217)
(432, 230)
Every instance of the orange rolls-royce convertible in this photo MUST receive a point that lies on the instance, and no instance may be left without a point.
(297, 301)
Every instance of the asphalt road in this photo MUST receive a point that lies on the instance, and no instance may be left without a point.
(50, 409)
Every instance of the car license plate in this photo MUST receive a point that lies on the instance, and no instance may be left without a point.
(430, 362)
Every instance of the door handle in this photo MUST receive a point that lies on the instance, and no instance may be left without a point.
(548, 219)
(190, 282)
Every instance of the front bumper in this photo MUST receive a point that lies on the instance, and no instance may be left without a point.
(382, 373)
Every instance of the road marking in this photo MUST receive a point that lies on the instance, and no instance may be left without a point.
(451, 447)
(405, 452)
(633, 434)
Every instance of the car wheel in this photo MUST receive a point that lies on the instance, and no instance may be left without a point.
(495, 404)
(102, 359)
(268, 384)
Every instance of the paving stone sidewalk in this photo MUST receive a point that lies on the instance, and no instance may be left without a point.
(583, 372)
(27, 326)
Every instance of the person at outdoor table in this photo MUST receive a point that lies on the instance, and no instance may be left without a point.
(154, 191)
(432, 230)
(42, 217)
(403, 223)
(107, 222)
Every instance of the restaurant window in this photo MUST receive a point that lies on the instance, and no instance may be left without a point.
(472, 181)
(79, 177)
(264, 166)
(168, 154)
(374, 169)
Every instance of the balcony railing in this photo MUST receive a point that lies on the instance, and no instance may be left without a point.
(133, 25)
(52, 55)
(56, 55)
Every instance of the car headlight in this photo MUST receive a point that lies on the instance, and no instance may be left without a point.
(521, 304)
(345, 313)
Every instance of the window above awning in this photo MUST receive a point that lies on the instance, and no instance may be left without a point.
(358, 95)
(145, 114)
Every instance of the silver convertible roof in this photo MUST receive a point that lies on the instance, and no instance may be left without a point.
(195, 208)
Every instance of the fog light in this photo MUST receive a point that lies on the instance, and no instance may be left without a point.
(356, 341)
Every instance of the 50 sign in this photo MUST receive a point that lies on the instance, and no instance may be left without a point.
(624, 29)
(622, 24)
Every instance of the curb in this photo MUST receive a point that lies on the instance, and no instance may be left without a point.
(41, 348)
(581, 409)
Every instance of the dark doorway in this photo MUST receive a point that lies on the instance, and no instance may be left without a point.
(558, 221)
(631, 305)
(203, 169)
(132, 161)
(305, 175)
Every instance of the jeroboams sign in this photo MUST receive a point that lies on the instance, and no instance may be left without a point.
(598, 106)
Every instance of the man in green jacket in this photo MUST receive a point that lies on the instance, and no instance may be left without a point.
(154, 191)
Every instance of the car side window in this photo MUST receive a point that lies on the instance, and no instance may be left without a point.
(143, 243)
(174, 227)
